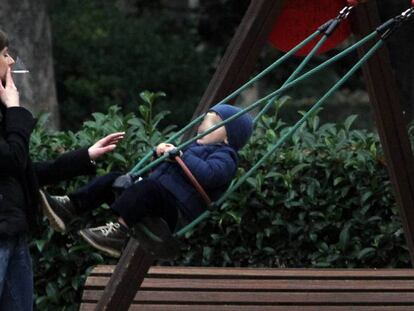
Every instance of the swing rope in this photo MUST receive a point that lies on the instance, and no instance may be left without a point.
(284, 138)
(260, 101)
(274, 65)
(327, 29)
(384, 31)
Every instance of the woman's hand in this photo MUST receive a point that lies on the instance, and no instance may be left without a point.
(105, 145)
(8, 92)
(163, 148)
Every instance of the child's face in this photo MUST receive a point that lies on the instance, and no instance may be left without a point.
(217, 136)
(5, 62)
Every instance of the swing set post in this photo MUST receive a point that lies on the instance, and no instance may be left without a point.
(127, 278)
(392, 128)
(241, 56)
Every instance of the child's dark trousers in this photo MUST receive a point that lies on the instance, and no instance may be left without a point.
(144, 198)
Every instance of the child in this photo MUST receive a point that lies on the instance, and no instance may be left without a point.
(167, 191)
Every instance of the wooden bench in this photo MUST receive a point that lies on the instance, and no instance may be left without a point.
(223, 289)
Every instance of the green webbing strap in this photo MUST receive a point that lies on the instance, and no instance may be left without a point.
(260, 101)
(292, 130)
(384, 31)
(328, 29)
(175, 136)
(232, 95)
(293, 76)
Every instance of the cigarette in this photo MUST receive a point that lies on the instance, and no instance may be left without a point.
(20, 71)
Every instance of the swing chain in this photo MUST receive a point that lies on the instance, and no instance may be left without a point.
(329, 27)
(344, 13)
(388, 28)
(407, 14)
(403, 17)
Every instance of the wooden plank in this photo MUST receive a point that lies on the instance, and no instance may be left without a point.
(159, 271)
(264, 298)
(163, 307)
(241, 56)
(385, 100)
(126, 279)
(263, 285)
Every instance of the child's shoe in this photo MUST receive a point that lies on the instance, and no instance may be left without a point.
(58, 209)
(109, 239)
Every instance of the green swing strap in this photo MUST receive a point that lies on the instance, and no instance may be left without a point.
(277, 63)
(284, 138)
(384, 31)
(327, 29)
(260, 101)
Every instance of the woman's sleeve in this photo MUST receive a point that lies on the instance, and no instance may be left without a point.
(66, 166)
(14, 144)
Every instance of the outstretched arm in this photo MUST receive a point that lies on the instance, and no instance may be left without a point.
(75, 163)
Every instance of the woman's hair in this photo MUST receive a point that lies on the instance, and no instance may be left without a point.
(4, 41)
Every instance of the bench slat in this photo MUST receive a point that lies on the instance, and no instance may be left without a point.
(268, 273)
(163, 307)
(277, 298)
(264, 285)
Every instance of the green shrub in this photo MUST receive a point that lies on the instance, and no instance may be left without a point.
(323, 200)
(104, 56)
(62, 261)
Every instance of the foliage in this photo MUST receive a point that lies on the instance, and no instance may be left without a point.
(61, 261)
(323, 200)
(103, 56)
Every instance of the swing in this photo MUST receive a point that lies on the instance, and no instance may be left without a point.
(134, 264)
(153, 233)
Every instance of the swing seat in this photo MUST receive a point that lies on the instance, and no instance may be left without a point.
(154, 235)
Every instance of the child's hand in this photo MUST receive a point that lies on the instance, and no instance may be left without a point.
(163, 148)
(105, 145)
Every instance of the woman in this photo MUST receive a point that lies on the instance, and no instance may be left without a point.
(19, 186)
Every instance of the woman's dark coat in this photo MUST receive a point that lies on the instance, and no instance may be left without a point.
(20, 178)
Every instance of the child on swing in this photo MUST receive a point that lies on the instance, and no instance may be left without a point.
(166, 192)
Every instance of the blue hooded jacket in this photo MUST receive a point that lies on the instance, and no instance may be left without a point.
(214, 167)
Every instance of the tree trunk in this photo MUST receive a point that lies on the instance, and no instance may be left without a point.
(27, 24)
(401, 48)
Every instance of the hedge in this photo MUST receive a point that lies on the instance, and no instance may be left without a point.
(323, 200)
